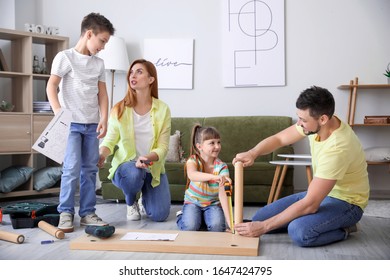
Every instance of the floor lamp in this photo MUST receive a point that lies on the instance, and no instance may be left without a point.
(115, 59)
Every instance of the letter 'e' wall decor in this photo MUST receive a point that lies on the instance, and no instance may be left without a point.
(253, 43)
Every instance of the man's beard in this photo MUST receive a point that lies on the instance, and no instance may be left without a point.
(312, 132)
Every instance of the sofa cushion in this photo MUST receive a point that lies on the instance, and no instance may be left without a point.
(175, 173)
(175, 151)
(46, 177)
(13, 177)
(184, 125)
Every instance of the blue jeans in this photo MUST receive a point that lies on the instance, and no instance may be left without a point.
(194, 218)
(156, 200)
(321, 228)
(80, 168)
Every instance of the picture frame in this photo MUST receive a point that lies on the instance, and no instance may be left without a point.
(3, 63)
(174, 61)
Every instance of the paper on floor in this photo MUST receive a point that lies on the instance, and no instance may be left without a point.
(149, 236)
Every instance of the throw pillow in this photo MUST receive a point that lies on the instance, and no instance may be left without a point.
(14, 176)
(174, 148)
(381, 154)
(46, 177)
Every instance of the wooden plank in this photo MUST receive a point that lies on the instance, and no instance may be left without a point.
(187, 242)
(362, 86)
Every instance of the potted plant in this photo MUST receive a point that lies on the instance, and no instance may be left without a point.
(387, 73)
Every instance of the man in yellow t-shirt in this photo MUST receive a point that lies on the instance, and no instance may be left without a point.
(336, 197)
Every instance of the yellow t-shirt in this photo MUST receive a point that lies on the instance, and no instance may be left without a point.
(341, 157)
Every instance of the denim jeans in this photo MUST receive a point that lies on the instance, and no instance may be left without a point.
(194, 218)
(321, 228)
(132, 180)
(80, 168)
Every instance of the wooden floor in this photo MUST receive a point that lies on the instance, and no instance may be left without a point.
(372, 242)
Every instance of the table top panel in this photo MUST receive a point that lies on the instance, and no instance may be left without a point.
(291, 162)
(308, 156)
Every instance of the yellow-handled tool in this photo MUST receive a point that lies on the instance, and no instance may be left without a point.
(228, 191)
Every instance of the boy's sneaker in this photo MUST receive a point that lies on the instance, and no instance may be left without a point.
(66, 222)
(133, 212)
(92, 220)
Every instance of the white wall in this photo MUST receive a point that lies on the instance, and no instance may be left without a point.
(327, 44)
(7, 15)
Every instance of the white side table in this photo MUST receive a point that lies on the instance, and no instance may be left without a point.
(300, 156)
(279, 178)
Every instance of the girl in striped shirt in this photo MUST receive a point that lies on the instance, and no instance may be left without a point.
(205, 201)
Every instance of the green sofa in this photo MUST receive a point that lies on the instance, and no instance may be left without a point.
(238, 134)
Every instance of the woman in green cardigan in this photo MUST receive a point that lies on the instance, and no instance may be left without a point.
(140, 126)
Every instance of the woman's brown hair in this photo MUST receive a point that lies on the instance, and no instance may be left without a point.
(130, 99)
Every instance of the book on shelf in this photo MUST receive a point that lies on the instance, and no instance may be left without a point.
(377, 120)
(3, 63)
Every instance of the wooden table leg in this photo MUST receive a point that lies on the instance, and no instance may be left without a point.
(238, 192)
(274, 183)
(280, 184)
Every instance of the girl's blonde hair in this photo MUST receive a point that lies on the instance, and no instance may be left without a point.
(200, 134)
(130, 99)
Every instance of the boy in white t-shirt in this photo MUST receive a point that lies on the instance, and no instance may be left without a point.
(79, 76)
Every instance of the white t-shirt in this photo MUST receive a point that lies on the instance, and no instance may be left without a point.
(80, 75)
(143, 133)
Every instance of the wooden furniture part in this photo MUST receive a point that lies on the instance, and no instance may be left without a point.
(11, 237)
(238, 193)
(187, 242)
(280, 172)
(21, 127)
(353, 88)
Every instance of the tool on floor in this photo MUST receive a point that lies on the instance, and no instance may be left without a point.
(11, 237)
(47, 242)
(52, 230)
(100, 231)
(228, 191)
(29, 214)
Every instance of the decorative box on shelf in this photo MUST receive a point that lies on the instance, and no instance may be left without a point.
(376, 119)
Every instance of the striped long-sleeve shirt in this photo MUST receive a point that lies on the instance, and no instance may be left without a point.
(206, 193)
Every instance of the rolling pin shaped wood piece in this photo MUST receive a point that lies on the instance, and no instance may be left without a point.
(52, 230)
(238, 192)
(11, 237)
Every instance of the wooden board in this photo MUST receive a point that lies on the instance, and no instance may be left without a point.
(187, 242)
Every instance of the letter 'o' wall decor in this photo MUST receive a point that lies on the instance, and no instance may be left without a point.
(253, 43)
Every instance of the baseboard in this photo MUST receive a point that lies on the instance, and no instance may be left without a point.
(380, 194)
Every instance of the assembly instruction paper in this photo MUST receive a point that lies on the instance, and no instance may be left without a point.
(52, 142)
(142, 236)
